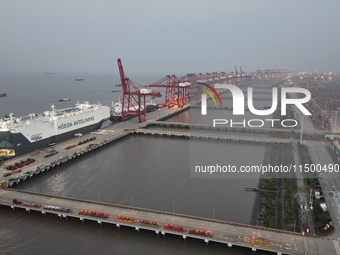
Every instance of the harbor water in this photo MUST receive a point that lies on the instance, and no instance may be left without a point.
(143, 171)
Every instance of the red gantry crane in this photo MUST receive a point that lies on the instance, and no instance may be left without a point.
(134, 97)
(179, 90)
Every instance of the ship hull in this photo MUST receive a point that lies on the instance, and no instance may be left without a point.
(21, 145)
(118, 118)
(115, 118)
(26, 134)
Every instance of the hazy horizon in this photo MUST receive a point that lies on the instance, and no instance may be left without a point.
(168, 37)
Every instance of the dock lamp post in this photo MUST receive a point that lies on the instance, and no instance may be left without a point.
(335, 125)
(174, 206)
(37, 159)
(301, 131)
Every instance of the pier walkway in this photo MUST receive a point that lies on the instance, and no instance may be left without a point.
(215, 136)
(229, 233)
(219, 127)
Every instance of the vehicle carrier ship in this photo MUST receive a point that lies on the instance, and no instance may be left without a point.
(28, 133)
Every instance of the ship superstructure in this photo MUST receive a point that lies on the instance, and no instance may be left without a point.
(117, 108)
(34, 131)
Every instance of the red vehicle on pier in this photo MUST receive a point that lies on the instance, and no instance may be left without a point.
(126, 219)
(87, 140)
(20, 164)
(148, 222)
(70, 146)
(93, 213)
(200, 232)
(16, 201)
(51, 154)
(173, 227)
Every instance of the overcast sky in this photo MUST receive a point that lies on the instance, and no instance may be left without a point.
(177, 36)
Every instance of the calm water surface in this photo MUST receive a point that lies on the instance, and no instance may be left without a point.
(145, 171)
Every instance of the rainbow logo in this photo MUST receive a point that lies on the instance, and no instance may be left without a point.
(209, 90)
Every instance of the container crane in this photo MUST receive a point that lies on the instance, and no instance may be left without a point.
(134, 94)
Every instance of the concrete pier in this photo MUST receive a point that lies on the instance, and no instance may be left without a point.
(229, 233)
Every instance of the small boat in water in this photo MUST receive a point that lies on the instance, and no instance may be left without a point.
(65, 99)
(3, 95)
(79, 79)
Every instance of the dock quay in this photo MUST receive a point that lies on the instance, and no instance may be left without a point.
(103, 138)
(43, 164)
(229, 233)
(226, 137)
(219, 127)
(109, 135)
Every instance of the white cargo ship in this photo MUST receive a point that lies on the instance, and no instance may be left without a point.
(34, 131)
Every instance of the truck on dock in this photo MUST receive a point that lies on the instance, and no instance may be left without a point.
(200, 232)
(16, 201)
(149, 222)
(20, 164)
(51, 153)
(173, 227)
(125, 218)
(10, 173)
(93, 213)
(70, 146)
(3, 184)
